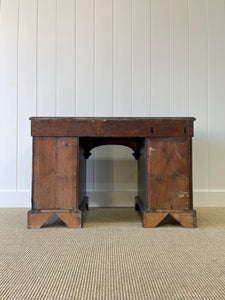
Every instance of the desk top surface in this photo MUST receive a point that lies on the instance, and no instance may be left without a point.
(115, 118)
(112, 126)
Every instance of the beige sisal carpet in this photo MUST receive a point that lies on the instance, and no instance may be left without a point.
(112, 257)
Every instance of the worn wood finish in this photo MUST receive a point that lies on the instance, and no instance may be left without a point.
(162, 147)
(90, 143)
(186, 218)
(38, 218)
(112, 127)
(169, 182)
(55, 174)
(168, 173)
(55, 179)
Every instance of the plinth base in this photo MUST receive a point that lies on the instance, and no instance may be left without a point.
(152, 218)
(37, 218)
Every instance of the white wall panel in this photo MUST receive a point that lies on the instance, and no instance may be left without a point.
(122, 50)
(103, 87)
(8, 93)
(179, 55)
(140, 58)
(216, 88)
(103, 57)
(103, 168)
(46, 60)
(121, 158)
(85, 57)
(160, 57)
(26, 89)
(112, 58)
(85, 28)
(124, 170)
(198, 93)
(65, 58)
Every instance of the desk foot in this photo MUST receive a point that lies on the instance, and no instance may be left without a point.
(84, 204)
(38, 218)
(153, 218)
(186, 219)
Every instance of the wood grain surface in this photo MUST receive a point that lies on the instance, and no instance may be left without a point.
(55, 173)
(162, 148)
(111, 127)
(168, 173)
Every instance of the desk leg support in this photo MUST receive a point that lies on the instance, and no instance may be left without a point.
(151, 219)
(55, 182)
(38, 218)
(168, 173)
(186, 218)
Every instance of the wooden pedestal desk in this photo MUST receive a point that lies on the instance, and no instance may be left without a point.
(162, 148)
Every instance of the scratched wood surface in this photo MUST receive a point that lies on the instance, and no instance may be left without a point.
(55, 173)
(162, 147)
(169, 173)
(112, 127)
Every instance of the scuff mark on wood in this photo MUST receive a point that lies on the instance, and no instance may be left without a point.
(184, 194)
(151, 149)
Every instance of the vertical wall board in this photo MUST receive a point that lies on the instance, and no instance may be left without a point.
(216, 86)
(90, 173)
(160, 57)
(141, 58)
(8, 93)
(85, 57)
(85, 70)
(103, 176)
(122, 159)
(179, 58)
(124, 169)
(198, 93)
(103, 87)
(103, 57)
(26, 89)
(65, 87)
(122, 105)
(46, 60)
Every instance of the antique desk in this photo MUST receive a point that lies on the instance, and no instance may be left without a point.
(162, 148)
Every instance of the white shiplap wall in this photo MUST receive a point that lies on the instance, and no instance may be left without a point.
(112, 58)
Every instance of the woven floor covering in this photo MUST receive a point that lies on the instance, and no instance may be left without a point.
(112, 257)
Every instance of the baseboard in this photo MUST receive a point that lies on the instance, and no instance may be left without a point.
(22, 198)
(13, 198)
(209, 198)
(111, 198)
(126, 198)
